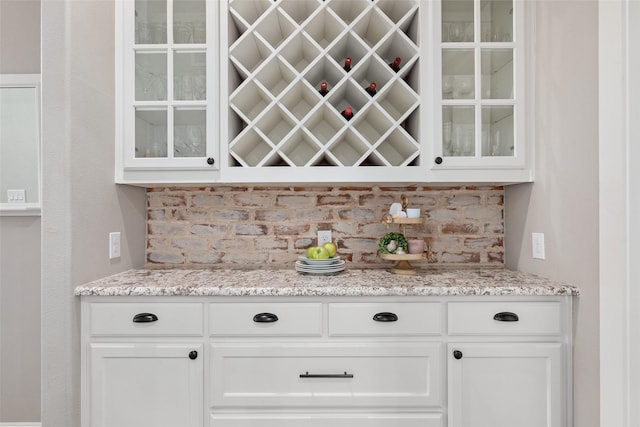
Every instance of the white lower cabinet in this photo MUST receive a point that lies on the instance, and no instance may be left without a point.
(134, 385)
(458, 361)
(506, 385)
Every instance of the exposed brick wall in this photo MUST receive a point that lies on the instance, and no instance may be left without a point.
(273, 225)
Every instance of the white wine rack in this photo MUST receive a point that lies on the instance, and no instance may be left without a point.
(279, 53)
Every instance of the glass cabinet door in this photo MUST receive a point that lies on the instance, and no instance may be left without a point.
(170, 118)
(481, 96)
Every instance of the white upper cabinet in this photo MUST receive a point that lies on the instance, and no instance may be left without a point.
(167, 118)
(322, 91)
(482, 63)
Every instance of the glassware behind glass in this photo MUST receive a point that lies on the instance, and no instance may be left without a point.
(497, 21)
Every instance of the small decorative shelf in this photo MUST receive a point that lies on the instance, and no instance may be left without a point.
(402, 265)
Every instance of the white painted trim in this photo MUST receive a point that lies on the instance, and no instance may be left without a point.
(20, 424)
(619, 90)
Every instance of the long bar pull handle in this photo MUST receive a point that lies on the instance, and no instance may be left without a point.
(145, 318)
(308, 375)
(506, 316)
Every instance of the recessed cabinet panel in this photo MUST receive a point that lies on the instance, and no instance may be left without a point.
(323, 374)
(385, 319)
(497, 318)
(276, 319)
(134, 385)
(506, 385)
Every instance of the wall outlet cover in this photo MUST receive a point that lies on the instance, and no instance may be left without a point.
(537, 245)
(324, 236)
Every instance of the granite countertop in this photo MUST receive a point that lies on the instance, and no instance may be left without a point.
(351, 282)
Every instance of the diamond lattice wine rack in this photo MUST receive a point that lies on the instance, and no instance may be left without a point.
(280, 53)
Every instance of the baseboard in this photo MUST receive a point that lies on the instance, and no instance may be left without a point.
(20, 424)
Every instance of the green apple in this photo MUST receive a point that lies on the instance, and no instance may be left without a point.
(331, 248)
(317, 252)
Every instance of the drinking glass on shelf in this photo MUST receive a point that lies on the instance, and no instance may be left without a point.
(467, 146)
(447, 86)
(456, 31)
(463, 87)
(183, 33)
(446, 136)
(158, 33)
(199, 32)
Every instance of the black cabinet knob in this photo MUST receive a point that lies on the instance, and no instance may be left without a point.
(457, 354)
(438, 160)
(506, 316)
(385, 317)
(210, 161)
(145, 318)
(265, 318)
(193, 355)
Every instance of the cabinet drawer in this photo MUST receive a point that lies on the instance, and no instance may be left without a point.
(323, 420)
(258, 319)
(383, 319)
(497, 318)
(152, 319)
(314, 375)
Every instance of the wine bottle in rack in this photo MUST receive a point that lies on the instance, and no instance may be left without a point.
(323, 89)
(395, 65)
(371, 90)
(347, 113)
(347, 64)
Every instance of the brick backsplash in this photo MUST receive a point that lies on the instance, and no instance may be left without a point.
(273, 225)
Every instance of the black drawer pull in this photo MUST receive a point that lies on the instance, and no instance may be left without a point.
(457, 354)
(308, 375)
(385, 317)
(506, 316)
(145, 318)
(193, 355)
(265, 318)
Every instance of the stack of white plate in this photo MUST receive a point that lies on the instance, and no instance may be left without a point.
(319, 266)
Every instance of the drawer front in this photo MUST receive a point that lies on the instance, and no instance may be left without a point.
(151, 319)
(259, 319)
(497, 318)
(314, 375)
(324, 420)
(384, 319)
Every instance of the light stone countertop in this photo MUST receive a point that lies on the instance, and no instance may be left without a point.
(351, 282)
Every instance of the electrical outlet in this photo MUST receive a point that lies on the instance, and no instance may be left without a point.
(114, 245)
(324, 236)
(537, 245)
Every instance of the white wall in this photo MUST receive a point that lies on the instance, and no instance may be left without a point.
(563, 201)
(80, 202)
(19, 244)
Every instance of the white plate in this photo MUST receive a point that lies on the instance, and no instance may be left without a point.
(310, 261)
(302, 266)
(306, 269)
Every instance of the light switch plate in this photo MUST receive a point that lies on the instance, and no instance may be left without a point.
(16, 196)
(537, 245)
(114, 245)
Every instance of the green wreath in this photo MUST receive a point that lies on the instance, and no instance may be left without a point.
(401, 242)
